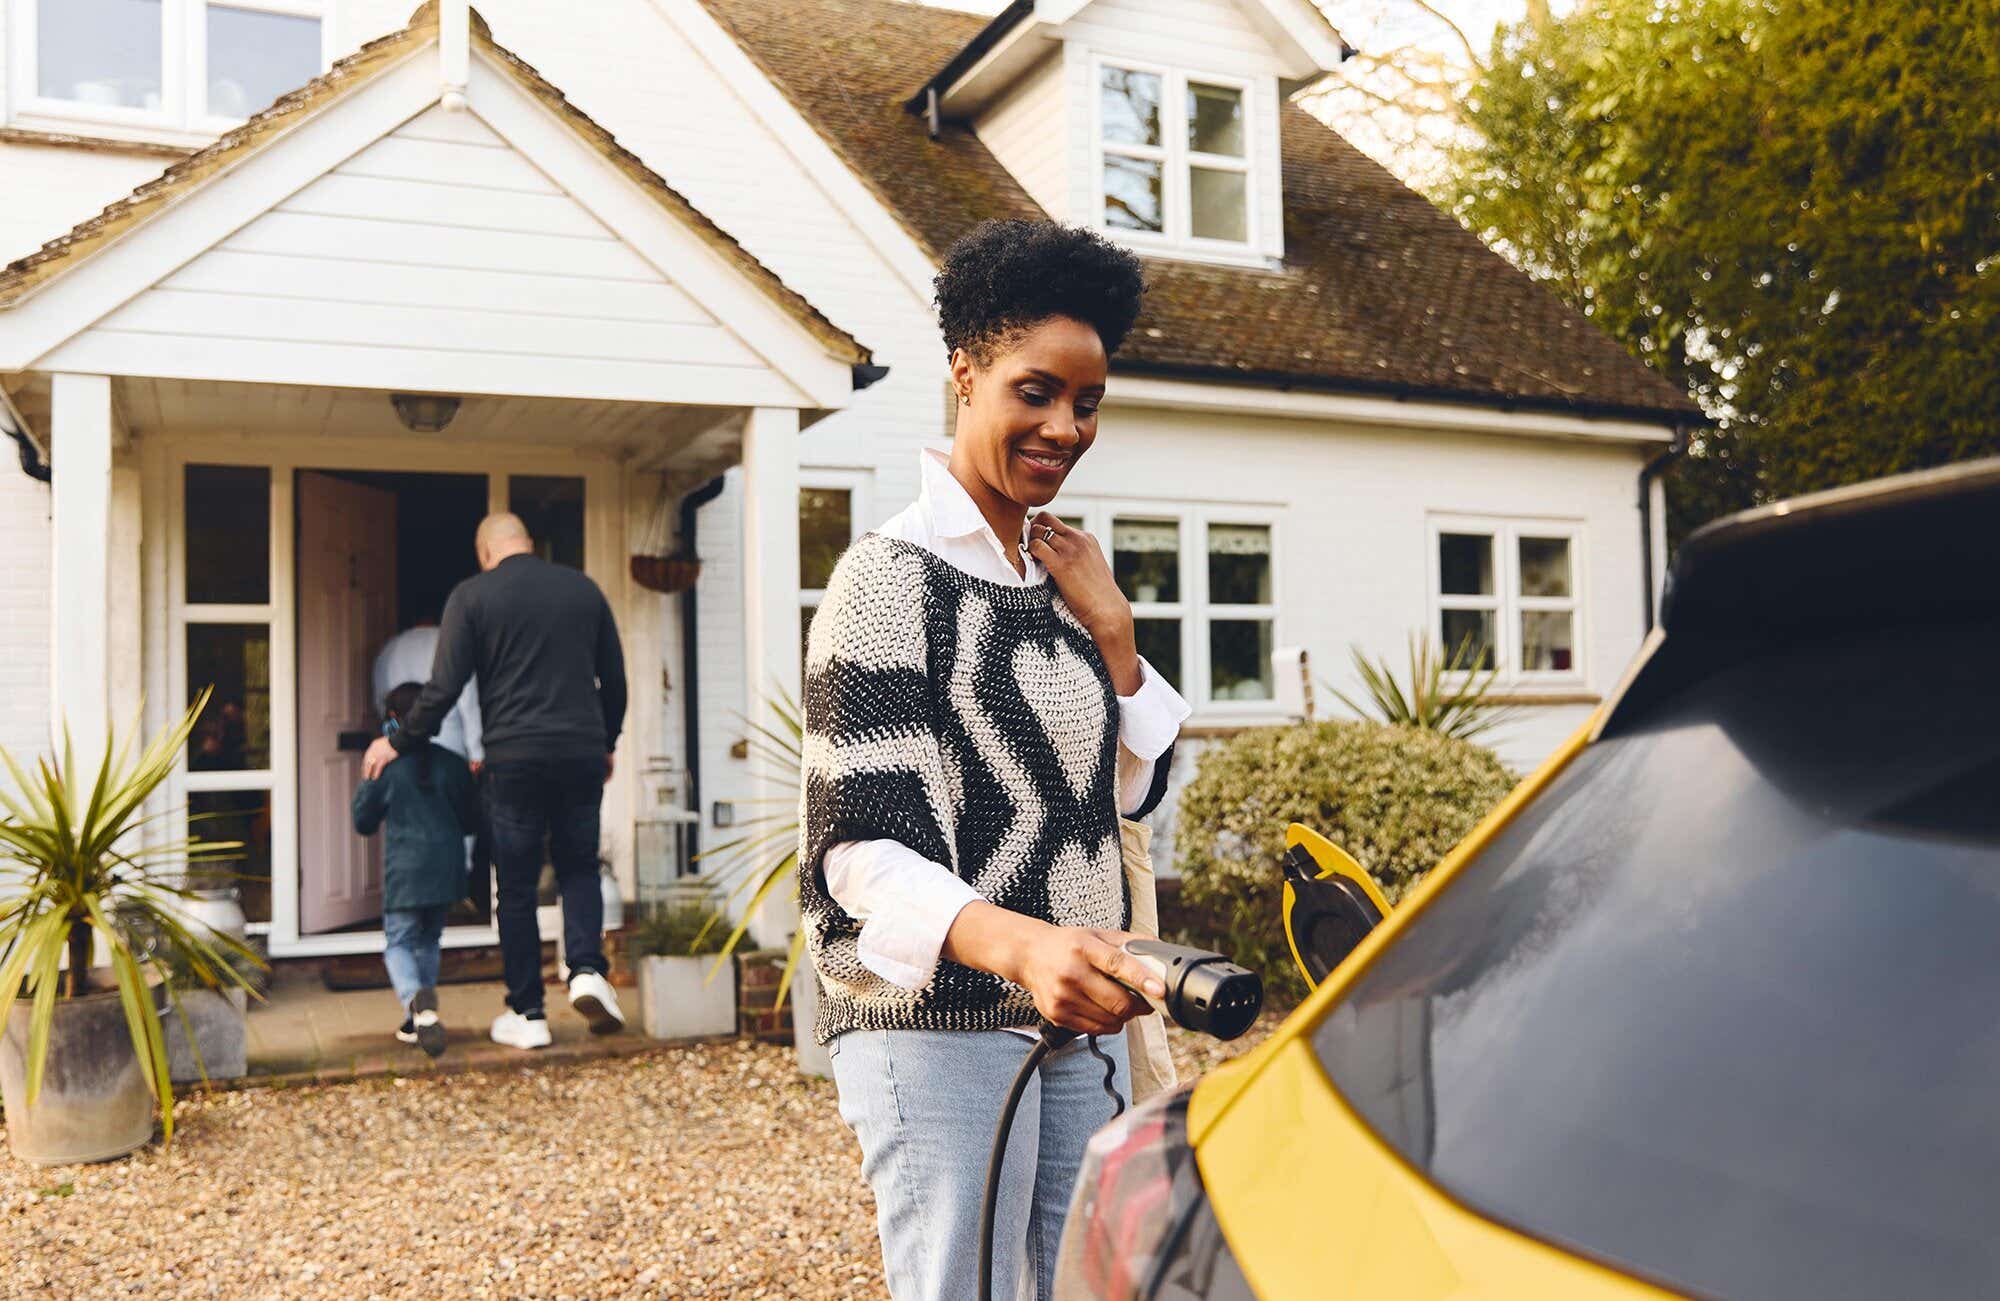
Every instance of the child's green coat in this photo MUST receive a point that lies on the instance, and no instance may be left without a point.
(423, 857)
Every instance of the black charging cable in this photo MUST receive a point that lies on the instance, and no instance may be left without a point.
(1205, 992)
(1052, 1037)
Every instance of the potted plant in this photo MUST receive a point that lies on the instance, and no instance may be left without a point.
(83, 1058)
(679, 998)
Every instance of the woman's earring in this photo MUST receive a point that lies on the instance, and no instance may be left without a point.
(964, 398)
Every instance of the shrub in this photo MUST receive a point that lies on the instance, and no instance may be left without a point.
(681, 931)
(1396, 798)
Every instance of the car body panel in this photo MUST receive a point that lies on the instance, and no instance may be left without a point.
(1289, 1164)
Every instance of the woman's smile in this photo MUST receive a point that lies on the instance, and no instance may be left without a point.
(1043, 462)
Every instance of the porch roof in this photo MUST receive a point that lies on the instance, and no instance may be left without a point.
(24, 278)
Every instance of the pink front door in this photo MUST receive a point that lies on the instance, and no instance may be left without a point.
(347, 610)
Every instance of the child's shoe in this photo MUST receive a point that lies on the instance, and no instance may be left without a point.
(406, 1033)
(424, 1021)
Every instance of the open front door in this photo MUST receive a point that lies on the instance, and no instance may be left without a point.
(346, 611)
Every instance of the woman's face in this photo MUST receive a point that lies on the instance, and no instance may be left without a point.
(1030, 414)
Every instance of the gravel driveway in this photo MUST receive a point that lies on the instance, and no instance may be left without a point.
(707, 1171)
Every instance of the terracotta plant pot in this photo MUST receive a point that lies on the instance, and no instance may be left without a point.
(665, 573)
(93, 1104)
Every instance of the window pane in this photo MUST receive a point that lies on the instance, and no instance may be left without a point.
(1146, 559)
(1546, 645)
(1545, 567)
(244, 816)
(99, 51)
(1132, 194)
(1131, 103)
(1476, 626)
(1159, 644)
(1465, 564)
(1218, 204)
(552, 508)
(1239, 659)
(826, 525)
(1239, 564)
(228, 527)
(255, 57)
(1215, 120)
(234, 732)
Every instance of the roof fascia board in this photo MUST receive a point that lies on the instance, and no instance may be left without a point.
(878, 224)
(637, 219)
(1444, 417)
(1301, 34)
(156, 246)
(332, 365)
(973, 90)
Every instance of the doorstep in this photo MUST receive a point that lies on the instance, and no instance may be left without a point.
(305, 1033)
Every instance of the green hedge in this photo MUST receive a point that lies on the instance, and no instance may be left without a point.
(1396, 798)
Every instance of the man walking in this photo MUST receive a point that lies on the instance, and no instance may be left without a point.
(541, 641)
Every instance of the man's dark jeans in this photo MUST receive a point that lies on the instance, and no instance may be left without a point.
(529, 804)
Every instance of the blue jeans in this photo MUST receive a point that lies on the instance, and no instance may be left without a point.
(531, 804)
(924, 1104)
(411, 953)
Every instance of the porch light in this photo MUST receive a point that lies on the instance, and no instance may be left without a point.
(424, 413)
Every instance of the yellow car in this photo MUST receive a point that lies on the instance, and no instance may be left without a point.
(1709, 1006)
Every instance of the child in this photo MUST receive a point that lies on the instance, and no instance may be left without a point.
(429, 802)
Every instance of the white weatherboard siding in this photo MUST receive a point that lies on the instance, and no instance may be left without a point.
(50, 190)
(1026, 129)
(439, 246)
(1353, 509)
(25, 627)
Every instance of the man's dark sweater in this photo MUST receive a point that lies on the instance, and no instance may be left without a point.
(551, 673)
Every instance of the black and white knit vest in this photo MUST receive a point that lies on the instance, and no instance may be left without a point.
(975, 723)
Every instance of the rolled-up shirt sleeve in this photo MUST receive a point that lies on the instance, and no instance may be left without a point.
(905, 903)
(1149, 720)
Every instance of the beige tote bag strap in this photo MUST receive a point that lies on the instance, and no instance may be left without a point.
(1146, 1036)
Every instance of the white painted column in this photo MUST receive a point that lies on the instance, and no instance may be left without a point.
(81, 439)
(771, 618)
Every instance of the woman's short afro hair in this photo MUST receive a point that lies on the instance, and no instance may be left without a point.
(1005, 277)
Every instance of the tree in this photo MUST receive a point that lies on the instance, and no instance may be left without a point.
(1793, 208)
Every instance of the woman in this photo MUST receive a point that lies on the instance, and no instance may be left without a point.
(977, 719)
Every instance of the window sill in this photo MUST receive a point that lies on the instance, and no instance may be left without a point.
(98, 138)
(1249, 259)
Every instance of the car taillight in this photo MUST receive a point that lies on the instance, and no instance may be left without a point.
(1136, 1185)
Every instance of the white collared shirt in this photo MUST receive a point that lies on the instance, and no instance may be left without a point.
(904, 901)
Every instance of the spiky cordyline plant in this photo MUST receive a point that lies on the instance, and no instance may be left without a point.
(71, 870)
(766, 855)
(1447, 693)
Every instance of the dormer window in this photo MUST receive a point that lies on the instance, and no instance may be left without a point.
(1175, 166)
(160, 67)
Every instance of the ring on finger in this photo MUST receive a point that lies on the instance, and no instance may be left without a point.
(1048, 533)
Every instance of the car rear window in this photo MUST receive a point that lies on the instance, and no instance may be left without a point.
(1722, 1006)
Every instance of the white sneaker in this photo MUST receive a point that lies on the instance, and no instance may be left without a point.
(517, 1031)
(590, 994)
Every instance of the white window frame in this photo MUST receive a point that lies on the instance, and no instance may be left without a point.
(1177, 162)
(183, 115)
(1507, 602)
(856, 484)
(1195, 611)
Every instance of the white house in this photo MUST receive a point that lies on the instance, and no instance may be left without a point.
(583, 260)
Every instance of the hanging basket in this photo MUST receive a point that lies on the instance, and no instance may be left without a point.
(665, 573)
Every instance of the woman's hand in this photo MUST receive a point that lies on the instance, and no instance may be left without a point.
(1084, 578)
(1081, 978)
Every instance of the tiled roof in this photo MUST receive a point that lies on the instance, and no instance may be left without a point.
(27, 274)
(1379, 291)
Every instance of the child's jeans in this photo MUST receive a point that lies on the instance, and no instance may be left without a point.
(412, 951)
